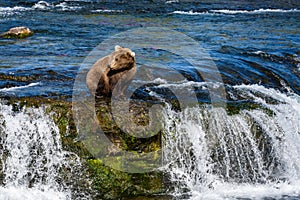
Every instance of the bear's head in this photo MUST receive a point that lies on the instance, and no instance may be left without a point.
(122, 58)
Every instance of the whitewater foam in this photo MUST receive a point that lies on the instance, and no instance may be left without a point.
(19, 193)
(191, 12)
(232, 191)
(65, 7)
(163, 83)
(106, 11)
(19, 87)
(225, 11)
(42, 5)
(253, 154)
(8, 11)
(31, 155)
(234, 12)
(12, 9)
(172, 1)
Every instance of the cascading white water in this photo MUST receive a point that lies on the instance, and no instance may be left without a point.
(31, 155)
(210, 154)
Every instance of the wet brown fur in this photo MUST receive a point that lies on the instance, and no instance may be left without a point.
(112, 72)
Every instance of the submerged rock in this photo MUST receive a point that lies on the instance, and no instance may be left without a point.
(17, 32)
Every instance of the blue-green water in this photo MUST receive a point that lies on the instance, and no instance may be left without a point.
(250, 42)
(254, 45)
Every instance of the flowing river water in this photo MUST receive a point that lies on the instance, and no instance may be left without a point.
(209, 152)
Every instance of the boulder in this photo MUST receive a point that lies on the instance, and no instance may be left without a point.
(17, 32)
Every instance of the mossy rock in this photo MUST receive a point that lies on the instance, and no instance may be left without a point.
(233, 108)
(109, 183)
(17, 33)
(114, 184)
(26, 79)
(126, 136)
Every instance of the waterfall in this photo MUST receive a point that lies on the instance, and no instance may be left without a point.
(31, 155)
(255, 153)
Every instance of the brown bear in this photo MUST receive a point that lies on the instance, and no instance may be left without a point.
(118, 67)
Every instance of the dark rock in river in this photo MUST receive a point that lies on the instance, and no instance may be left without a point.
(17, 32)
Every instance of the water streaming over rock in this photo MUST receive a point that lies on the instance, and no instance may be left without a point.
(253, 153)
(31, 155)
(212, 154)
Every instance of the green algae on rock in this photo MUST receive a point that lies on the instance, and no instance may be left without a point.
(17, 33)
(114, 184)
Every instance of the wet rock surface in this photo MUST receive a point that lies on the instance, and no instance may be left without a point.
(17, 32)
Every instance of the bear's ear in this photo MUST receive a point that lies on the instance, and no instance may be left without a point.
(117, 47)
(132, 54)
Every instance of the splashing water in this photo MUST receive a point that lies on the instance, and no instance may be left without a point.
(31, 155)
(210, 154)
